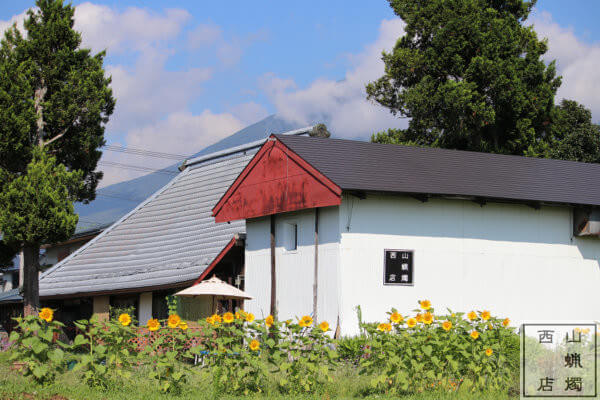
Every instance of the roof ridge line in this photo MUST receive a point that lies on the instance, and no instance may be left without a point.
(114, 224)
(242, 147)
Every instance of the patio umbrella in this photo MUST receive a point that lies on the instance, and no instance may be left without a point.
(215, 288)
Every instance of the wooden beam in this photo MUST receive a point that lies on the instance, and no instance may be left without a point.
(273, 270)
(316, 282)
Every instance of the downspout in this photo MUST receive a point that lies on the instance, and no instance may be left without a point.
(273, 274)
(316, 283)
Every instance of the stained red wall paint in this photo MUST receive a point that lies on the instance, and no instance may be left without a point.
(275, 181)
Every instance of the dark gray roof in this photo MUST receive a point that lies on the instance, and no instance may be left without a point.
(11, 296)
(364, 166)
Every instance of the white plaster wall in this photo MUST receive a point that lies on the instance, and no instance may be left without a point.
(294, 268)
(511, 259)
(145, 308)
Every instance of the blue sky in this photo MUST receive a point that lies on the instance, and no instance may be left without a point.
(188, 73)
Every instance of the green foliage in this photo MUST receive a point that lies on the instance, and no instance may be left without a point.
(172, 304)
(404, 358)
(573, 135)
(169, 348)
(352, 349)
(470, 75)
(37, 207)
(53, 95)
(35, 346)
(109, 351)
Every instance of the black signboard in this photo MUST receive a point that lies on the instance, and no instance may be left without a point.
(399, 267)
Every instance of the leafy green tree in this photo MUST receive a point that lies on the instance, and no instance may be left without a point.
(55, 101)
(573, 135)
(469, 74)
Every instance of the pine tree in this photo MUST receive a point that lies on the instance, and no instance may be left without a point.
(55, 101)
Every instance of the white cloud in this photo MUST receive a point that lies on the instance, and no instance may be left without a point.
(342, 105)
(204, 35)
(18, 19)
(148, 91)
(576, 61)
(134, 28)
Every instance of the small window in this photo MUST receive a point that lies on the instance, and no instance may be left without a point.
(291, 236)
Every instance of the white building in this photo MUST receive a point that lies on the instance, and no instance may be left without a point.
(392, 224)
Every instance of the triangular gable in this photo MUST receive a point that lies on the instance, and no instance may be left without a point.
(276, 180)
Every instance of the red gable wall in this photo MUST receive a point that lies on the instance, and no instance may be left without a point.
(276, 180)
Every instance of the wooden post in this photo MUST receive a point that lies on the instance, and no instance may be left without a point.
(273, 272)
(316, 283)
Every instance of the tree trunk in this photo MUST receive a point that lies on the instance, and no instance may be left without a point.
(31, 267)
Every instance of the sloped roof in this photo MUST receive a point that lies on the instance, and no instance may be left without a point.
(167, 240)
(363, 166)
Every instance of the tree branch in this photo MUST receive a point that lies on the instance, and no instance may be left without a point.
(61, 134)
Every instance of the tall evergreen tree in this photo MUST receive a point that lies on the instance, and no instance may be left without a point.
(469, 74)
(55, 101)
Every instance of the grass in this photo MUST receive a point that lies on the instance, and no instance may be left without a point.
(347, 385)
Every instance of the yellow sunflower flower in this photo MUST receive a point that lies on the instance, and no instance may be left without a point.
(411, 322)
(305, 321)
(506, 322)
(428, 318)
(419, 318)
(217, 318)
(324, 326)
(124, 319)
(384, 327)
(153, 324)
(47, 314)
(485, 315)
(173, 321)
(474, 335)
(396, 318)
(425, 304)
(472, 315)
(183, 325)
(489, 352)
(249, 317)
(210, 320)
(254, 345)
(228, 317)
(269, 321)
(446, 325)
(238, 315)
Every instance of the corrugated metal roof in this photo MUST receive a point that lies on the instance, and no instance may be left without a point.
(168, 239)
(364, 166)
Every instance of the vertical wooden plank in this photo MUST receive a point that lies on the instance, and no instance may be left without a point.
(273, 272)
(316, 283)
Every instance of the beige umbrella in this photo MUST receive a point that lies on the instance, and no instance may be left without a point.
(215, 288)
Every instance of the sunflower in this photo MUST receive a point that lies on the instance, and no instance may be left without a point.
(305, 321)
(446, 325)
(269, 321)
(485, 315)
(173, 321)
(124, 319)
(183, 325)
(216, 318)
(254, 345)
(384, 327)
(419, 318)
(324, 326)
(506, 322)
(396, 318)
(228, 317)
(47, 314)
(411, 322)
(249, 317)
(489, 352)
(474, 335)
(472, 315)
(153, 324)
(425, 304)
(238, 315)
(428, 318)
(210, 320)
